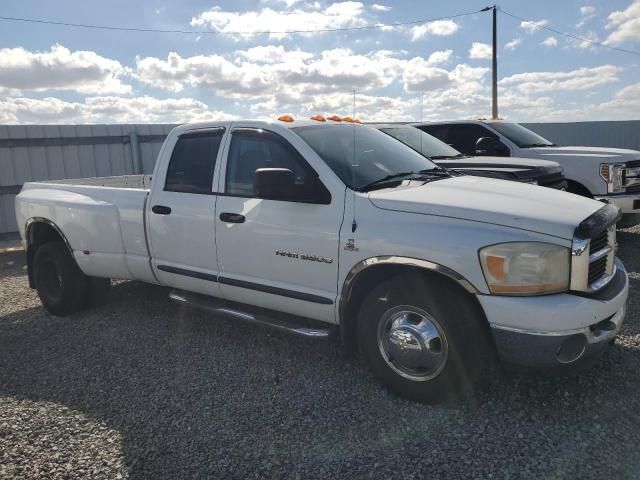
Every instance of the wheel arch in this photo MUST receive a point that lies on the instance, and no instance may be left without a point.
(369, 272)
(37, 232)
(578, 188)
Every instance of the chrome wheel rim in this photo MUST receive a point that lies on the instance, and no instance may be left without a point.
(412, 343)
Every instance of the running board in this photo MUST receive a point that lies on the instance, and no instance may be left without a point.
(257, 316)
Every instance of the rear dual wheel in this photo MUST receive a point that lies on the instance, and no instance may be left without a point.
(424, 340)
(62, 287)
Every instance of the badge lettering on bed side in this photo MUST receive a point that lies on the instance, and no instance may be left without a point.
(304, 256)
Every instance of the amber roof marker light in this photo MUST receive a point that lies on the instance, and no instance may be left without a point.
(334, 118)
(318, 118)
(285, 118)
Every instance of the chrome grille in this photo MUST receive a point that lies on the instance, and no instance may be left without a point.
(593, 261)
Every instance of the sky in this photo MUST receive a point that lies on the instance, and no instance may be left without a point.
(428, 70)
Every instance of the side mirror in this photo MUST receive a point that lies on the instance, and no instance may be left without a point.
(274, 184)
(491, 146)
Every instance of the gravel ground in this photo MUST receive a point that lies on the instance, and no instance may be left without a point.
(142, 389)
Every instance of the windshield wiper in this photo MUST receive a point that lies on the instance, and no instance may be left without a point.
(386, 179)
(539, 145)
(443, 157)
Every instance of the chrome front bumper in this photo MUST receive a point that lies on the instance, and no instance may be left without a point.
(626, 202)
(596, 319)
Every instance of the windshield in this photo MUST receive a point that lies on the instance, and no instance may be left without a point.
(372, 154)
(422, 142)
(521, 136)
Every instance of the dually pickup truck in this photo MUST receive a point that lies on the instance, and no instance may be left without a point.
(318, 226)
(611, 175)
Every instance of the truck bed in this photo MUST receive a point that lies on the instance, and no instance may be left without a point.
(137, 182)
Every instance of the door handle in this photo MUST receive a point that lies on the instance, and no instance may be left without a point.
(232, 217)
(161, 210)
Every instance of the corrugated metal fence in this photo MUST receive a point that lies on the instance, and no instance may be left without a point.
(622, 134)
(36, 152)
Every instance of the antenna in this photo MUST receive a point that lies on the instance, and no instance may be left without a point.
(421, 102)
(354, 225)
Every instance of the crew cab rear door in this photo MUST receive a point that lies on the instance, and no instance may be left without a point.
(181, 212)
(277, 254)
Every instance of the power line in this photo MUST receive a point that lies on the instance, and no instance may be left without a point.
(218, 32)
(570, 35)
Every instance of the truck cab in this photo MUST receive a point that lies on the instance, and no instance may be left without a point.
(611, 175)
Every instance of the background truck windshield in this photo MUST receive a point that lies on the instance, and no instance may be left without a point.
(373, 154)
(422, 142)
(521, 136)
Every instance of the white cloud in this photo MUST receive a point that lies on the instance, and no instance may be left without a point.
(439, 57)
(625, 25)
(273, 54)
(107, 109)
(588, 37)
(60, 69)
(336, 15)
(531, 26)
(580, 79)
(587, 12)
(380, 8)
(550, 42)
(480, 50)
(439, 28)
(513, 43)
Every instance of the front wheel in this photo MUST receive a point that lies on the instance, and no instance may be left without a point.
(423, 339)
(61, 285)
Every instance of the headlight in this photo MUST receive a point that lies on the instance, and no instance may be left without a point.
(526, 268)
(612, 174)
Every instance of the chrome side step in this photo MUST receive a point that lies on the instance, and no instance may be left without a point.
(265, 318)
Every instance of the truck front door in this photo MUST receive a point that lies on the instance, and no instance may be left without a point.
(277, 254)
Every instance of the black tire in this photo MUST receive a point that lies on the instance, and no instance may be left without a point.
(465, 338)
(99, 289)
(61, 285)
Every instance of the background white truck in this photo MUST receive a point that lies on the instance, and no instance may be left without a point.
(608, 174)
(313, 226)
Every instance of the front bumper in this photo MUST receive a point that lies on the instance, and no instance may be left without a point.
(626, 202)
(556, 330)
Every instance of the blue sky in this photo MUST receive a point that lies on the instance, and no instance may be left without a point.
(54, 74)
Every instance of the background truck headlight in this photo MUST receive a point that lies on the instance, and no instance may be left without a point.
(526, 268)
(612, 174)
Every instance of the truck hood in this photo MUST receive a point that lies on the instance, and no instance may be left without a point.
(487, 200)
(598, 154)
(520, 169)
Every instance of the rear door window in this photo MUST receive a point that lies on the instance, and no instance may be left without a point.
(193, 161)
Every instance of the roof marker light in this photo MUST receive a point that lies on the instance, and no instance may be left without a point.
(347, 119)
(334, 118)
(319, 118)
(285, 118)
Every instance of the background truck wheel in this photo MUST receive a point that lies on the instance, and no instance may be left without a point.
(61, 285)
(424, 339)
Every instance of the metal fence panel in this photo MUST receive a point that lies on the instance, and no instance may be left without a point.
(620, 134)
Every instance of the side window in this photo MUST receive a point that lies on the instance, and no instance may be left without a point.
(253, 149)
(463, 137)
(438, 131)
(192, 162)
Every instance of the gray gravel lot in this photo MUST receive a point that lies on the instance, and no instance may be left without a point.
(142, 389)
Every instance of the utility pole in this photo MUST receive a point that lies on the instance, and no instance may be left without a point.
(494, 63)
(494, 80)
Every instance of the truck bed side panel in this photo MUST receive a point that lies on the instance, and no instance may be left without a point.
(104, 226)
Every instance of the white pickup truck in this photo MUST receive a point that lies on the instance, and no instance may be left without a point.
(313, 227)
(608, 174)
